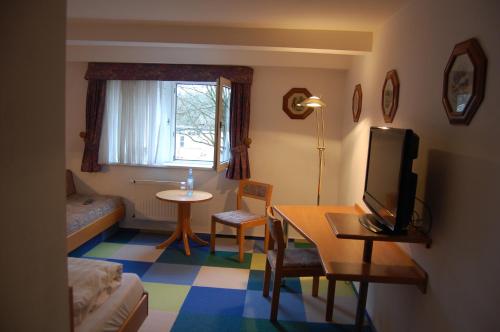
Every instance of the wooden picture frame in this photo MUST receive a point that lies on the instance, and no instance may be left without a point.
(357, 102)
(390, 96)
(292, 98)
(464, 82)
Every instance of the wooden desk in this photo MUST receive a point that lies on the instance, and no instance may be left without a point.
(343, 259)
(183, 228)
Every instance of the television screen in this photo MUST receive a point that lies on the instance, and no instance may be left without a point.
(390, 183)
(384, 167)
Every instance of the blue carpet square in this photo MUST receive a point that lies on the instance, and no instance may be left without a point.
(206, 323)
(256, 283)
(179, 274)
(138, 268)
(291, 285)
(214, 301)
(257, 325)
(255, 280)
(291, 306)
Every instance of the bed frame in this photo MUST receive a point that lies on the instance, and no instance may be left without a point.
(137, 316)
(133, 321)
(98, 226)
(84, 234)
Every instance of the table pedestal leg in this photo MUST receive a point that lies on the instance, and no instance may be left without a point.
(175, 235)
(363, 287)
(183, 230)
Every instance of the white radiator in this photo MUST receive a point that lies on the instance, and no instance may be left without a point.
(145, 204)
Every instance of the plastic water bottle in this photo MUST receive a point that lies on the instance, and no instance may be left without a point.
(190, 182)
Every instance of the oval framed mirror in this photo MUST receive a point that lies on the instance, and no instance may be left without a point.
(390, 96)
(357, 102)
(464, 82)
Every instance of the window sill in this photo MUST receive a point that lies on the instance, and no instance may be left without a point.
(200, 165)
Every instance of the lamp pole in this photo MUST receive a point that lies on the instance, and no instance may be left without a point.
(320, 133)
(318, 105)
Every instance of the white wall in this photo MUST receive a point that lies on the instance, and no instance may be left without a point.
(32, 253)
(282, 153)
(458, 166)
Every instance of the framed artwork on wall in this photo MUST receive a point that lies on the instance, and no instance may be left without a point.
(390, 96)
(464, 82)
(294, 97)
(357, 102)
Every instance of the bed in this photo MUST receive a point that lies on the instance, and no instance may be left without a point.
(102, 298)
(88, 215)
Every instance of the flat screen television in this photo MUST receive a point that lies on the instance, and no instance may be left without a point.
(390, 184)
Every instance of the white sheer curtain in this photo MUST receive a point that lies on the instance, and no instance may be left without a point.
(136, 125)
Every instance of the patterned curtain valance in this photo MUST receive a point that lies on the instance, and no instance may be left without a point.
(167, 72)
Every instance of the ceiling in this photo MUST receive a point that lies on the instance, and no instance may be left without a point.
(354, 15)
(293, 33)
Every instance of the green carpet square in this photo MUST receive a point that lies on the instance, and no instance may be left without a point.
(228, 259)
(178, 256)
(166, 297)
(104, 250)
(258, 262)
(302, 244)
(342, 288)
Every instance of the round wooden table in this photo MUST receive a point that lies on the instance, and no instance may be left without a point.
(183, 228)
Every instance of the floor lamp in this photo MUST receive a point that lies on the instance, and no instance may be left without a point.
(318, 105)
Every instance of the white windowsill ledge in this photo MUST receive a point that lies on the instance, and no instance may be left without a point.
(200, 165)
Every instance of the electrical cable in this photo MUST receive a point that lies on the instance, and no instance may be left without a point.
(420, 218)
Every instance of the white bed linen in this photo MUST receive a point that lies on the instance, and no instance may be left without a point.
(93, 281)
(111, 315)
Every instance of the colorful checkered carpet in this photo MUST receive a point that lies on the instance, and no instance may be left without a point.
(205, 292)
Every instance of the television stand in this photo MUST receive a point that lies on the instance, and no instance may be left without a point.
(370, 222)
(349, 226)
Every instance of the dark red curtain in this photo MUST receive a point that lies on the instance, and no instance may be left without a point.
(239, 165)
(167, 72)
(94, 113)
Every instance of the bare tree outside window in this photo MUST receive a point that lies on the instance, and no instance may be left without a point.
(195, 119)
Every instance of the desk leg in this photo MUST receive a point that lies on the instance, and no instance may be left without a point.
(363, 287)
(330, 299)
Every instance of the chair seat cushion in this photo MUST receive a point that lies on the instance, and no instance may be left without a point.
(297, 258)
(235, 218)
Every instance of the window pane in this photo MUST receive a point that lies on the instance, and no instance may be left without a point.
(195, 122)
(224, 123)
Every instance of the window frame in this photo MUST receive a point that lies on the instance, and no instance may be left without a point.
(215, 164)
(221, 83)
(210, 164)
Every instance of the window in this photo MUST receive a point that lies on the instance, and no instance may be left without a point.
(161, 123)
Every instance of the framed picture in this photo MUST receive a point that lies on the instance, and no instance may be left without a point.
(464, 82)
(291, 100)
(357, 100)
(390, 96)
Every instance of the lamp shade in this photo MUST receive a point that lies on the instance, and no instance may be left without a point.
(313, 102)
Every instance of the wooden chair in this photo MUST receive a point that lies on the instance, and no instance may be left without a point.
(287, 262)
(241, 219)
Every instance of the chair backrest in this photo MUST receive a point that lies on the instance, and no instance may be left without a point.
(256, 190)
(276, 234)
